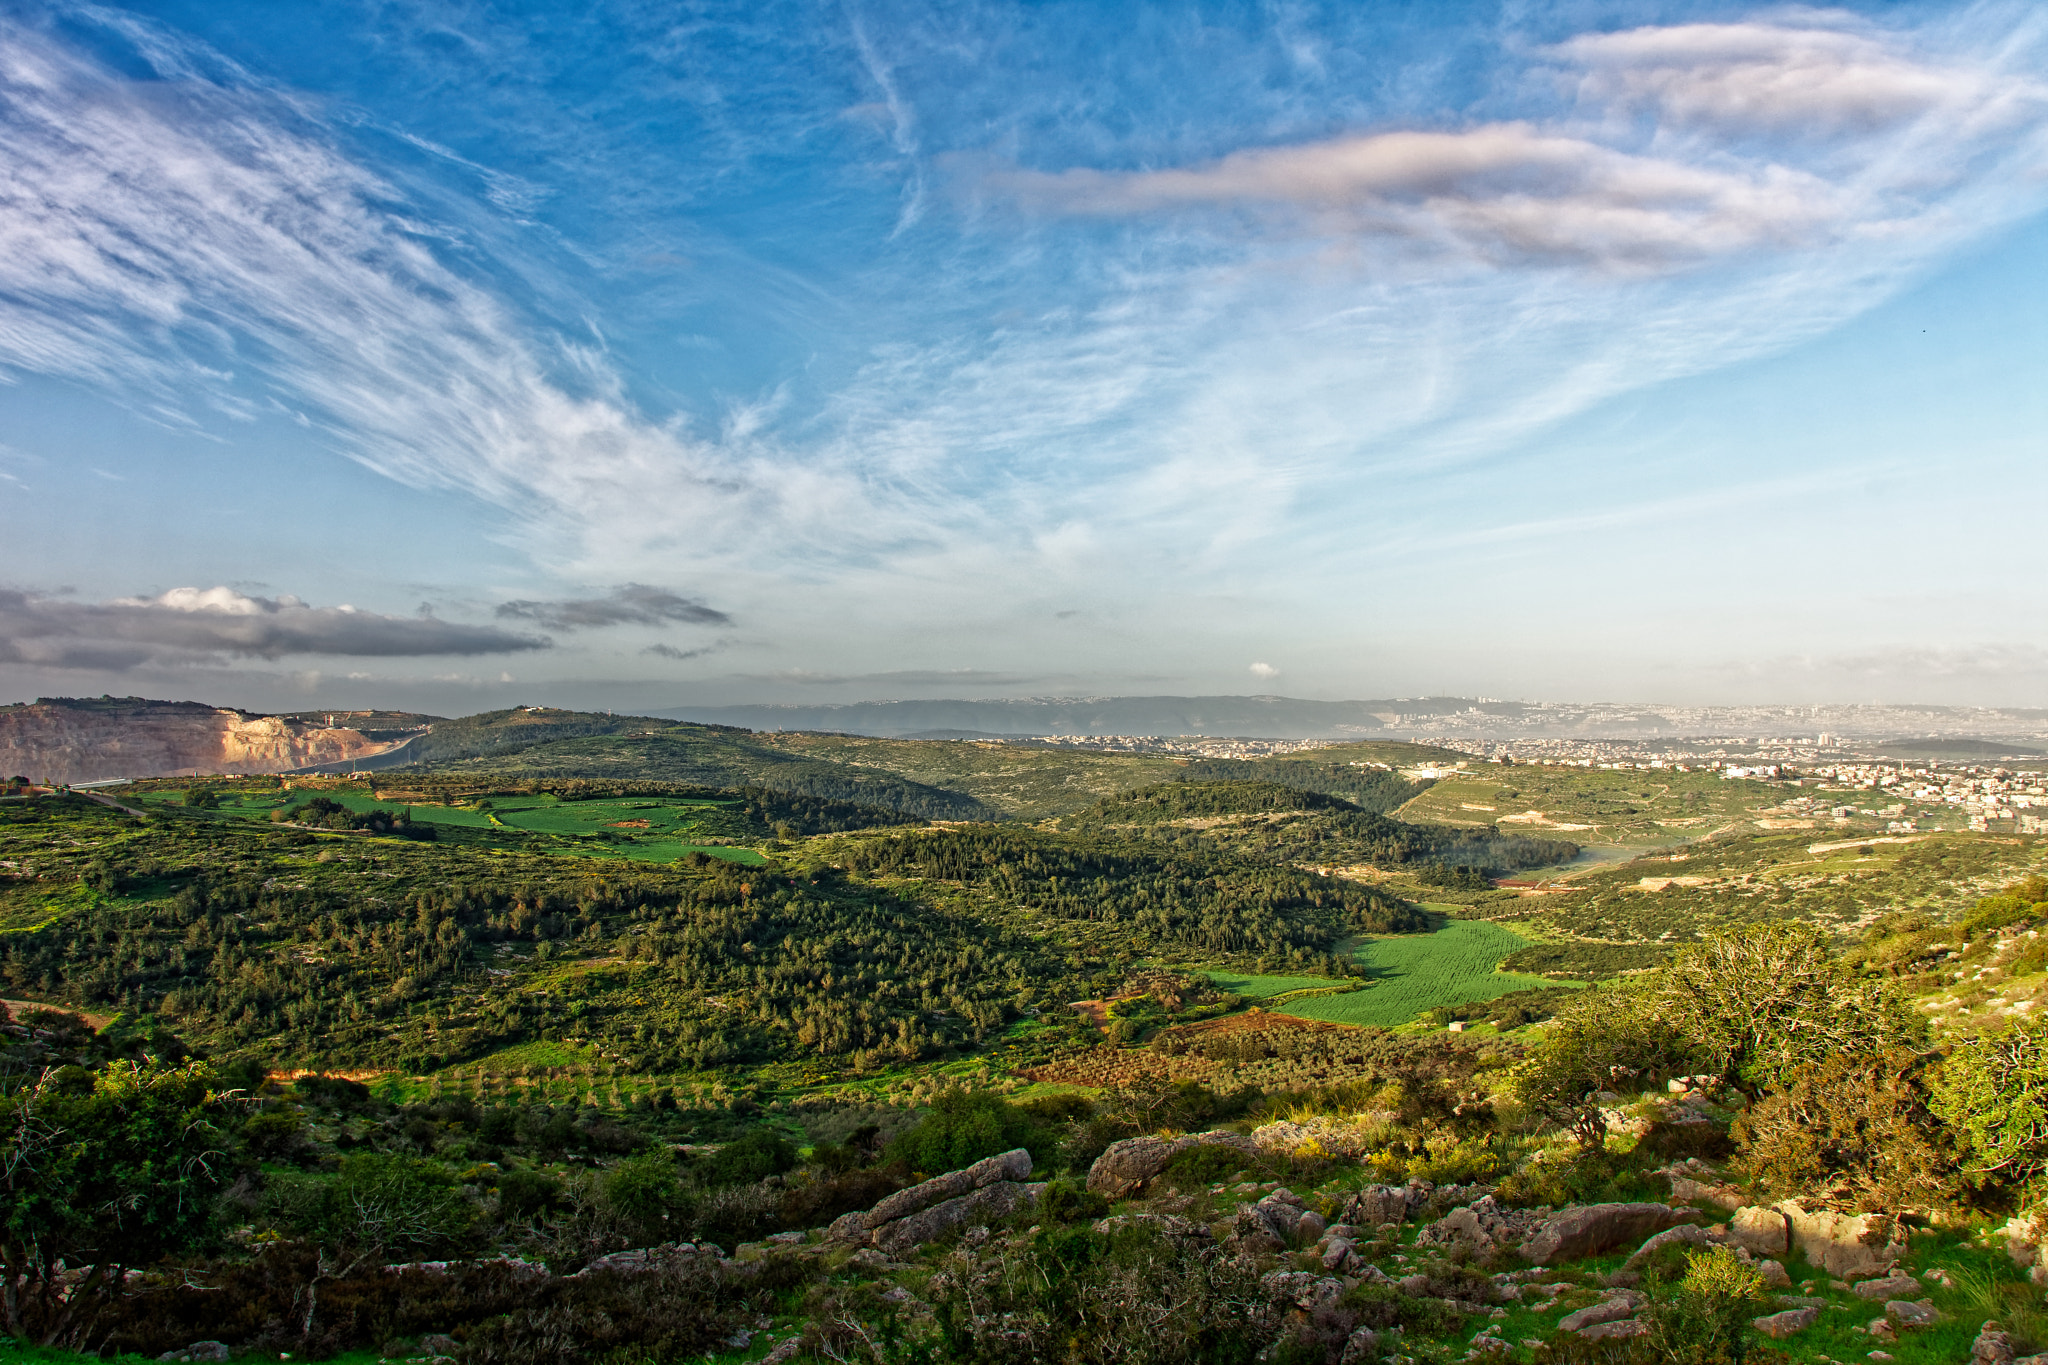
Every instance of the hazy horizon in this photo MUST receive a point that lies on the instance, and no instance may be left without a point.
(606, 357)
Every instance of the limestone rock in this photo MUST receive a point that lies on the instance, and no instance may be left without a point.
(199, 1351)
(1911, 1314)
(1626, 1327)
(1993, 1346)
(1845, 1244)
(1684, 1233)
(1303, 1290)
(1129, 1166)
(1590, 1229)
(979, 1208)
(1612, 1309)
(1013, 1165)
(1485, 1224)
(1779, 1325)
(1775, 1275)
(1767, 1232)
(1361, 1346)
(1890, 1287)
(1686, 1190)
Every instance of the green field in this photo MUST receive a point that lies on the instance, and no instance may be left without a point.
(1414, 972)
(599, 829)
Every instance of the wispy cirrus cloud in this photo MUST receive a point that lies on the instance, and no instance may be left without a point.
(1152, 341)
(186, 626)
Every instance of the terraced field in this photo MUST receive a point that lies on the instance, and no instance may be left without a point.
(1627, 809)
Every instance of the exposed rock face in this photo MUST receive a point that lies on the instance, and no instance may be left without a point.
(82, 741)
(973, 1197)
(1011, 1165)
(983, 1206)
(1129, 1166)
(1590, 1229)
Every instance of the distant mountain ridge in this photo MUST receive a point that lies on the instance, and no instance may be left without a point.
(1261, 717)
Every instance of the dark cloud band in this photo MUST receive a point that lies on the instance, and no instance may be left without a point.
(189, 625)
(634, 604)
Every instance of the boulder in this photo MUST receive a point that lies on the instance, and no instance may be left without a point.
(1611, 1309)
(1767, 1232)
(1129, 1166)
(1485, 1224)
(2041, 1359)
(1626, 1327)
(1377, 1205)
(1775, 1275)
(1361, 1346)
(1779, 1325)
(1911, 1314)
(1684, 1233)
(1845, 1244)
(1340, 1257)
(1686, 1190)
(1993, 1346)
(979, 1208)
(1013, 1165)
(1301, 1289)
(199, 1351)
(1310, 1226)
(1889, 1287)
(1282, 1213)
(438, 1345)
(1590, 1229)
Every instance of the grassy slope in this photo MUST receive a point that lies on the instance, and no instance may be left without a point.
(1022, 783)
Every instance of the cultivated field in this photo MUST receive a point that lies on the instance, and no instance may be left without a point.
(1629, 809)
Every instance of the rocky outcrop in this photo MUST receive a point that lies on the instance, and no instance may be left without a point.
(1574, 1233)
(978, 1209)
(1887, 1287)
(61, 740)
(975, 1196)
(1684, 1234)
(1993, 1346)
(1485, 1225)
(1127, 1167)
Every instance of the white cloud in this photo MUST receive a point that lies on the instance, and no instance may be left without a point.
(1264, 671)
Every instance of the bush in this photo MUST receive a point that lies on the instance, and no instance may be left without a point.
(1136, 1296)
(1704, 1319)
(1606, 1041)
(758, 1154)
(1068, 1201)
(1855, 1128)
(962, 1128)
(1993, 1091)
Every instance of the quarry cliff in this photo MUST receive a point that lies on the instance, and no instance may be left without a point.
(61, 739)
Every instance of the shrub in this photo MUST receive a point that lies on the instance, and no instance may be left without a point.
(1606, 1041)
(1704, 1319)
(1068, 1201)
(1077, 1297)
(1856, 1128)
(758, 1154)
(1993, 1091)
(962, 1128)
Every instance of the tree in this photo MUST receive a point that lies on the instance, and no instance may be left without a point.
(113, 1173)
(1760, 1002)
(1603, 1042)
(1855, 1128)
(1993, 1090)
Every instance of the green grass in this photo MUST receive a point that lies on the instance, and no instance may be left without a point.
(1265, 987)
(1415, 972)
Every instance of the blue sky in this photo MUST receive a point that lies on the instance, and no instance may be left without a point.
(456, 355)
